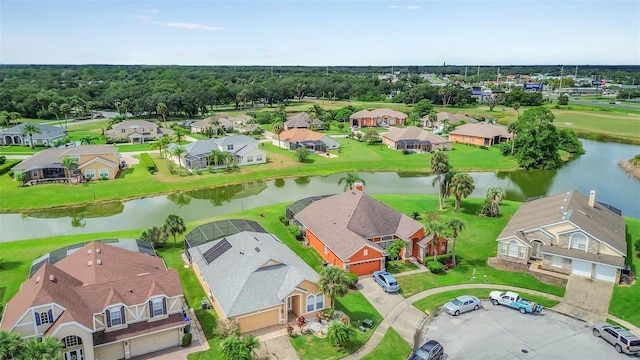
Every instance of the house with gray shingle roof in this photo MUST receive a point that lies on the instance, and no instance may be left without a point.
(136, 131)
(242, 149)
(414, 138)
(47, 137)
(251, 277)
(568, 233)
(215, 122)
(351, 230)
(101, 301)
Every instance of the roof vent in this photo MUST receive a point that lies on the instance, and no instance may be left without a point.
(52, 278)
(257, 249)
(89, 263)
(38, 279)
(98, 250)
(99, 261)
(89, 252)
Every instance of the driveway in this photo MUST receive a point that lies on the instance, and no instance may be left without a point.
(586, 298)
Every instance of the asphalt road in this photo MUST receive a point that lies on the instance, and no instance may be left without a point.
(498, 332)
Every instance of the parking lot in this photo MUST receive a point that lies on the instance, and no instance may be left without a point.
(498, 332)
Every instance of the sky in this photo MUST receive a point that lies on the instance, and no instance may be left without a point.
(321, 32)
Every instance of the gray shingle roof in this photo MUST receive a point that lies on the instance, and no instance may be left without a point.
(344, 222)
(47, 131)
(54, 156)
(245, 280)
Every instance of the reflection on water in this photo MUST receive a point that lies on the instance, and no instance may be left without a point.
(597, 170)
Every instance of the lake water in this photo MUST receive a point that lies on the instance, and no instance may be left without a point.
(596, 170)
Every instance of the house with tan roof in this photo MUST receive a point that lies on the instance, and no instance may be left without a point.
(104, 299)
(568, 233)
(93, 162)
(351, 230)
(303, 120)
(414, 138)
(451, 118)
(136, 131)
(299, 137)
(378, 117)
(482, 134)
(251, 277)
(215, 122)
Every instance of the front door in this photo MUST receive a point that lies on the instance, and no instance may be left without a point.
(74, 355)
(535, 252)
(288, 304)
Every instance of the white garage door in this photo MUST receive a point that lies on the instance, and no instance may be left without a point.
(604, 272)
(582, 268)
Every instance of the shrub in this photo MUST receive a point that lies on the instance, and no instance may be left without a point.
(186, 339)
(11, 173)
(148, 163)
(295, 231)
(441, 258)
(636, 245)
(6, 167)
(435, 267)
(224, 329)
(283, 219)
(3, 159)
(353, 280)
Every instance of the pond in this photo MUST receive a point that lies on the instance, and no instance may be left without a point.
(596, 170)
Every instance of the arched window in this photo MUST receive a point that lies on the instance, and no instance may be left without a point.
(319, 301)
(513, 248)
(578, 241)
(310, 303)
(71, 341)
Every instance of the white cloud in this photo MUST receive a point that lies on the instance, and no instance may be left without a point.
(414, 7)
(153, 11)
(192, 26)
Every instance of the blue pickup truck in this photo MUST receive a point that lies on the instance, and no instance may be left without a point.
(513, 300)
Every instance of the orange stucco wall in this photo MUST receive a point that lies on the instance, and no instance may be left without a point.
(474, 140)
(360, 255)
(330, 257)
(365, 268)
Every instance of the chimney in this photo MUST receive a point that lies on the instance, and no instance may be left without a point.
(592, 198)
(358, 185)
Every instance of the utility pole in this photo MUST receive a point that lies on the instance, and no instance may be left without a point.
(561, 72)
(327, 70)
(465, 72)
(478, 74)
(576, 72)
(272, 71)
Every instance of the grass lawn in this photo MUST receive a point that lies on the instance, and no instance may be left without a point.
(392, 347)
(395, 267)
(133, 147)
(430, 304)
(19, 150)
(600, 125)
(356, 306)
(625, 298)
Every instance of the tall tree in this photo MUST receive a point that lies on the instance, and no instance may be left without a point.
(71, 164)
(30, 129)
(440, 165)
(333, 282)
(395, 249)
(538, 140)
(216, 156)
(179, 135)
(162, 109)
(433, 118)
(156, 235)
(456, 226)
(10, 344)
(340, 334)
(516, 107)
(178, 151)
(14, 116)
(66, 110)
(160, 144)
(55, 110)
(174, 225)
(512, 129)
(349, 180)
(461, 186)
(491, 206)
(436, 228)
(278, 128)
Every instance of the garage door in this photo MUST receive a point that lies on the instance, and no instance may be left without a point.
(607, 273)
(582, 268)
(154, 342)
(365, 268)
(259, 321)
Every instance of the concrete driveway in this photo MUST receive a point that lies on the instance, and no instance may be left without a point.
(498, 332)
(586, 298)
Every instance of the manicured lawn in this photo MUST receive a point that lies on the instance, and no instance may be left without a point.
(356, 306)
(612, 125)
(395, 267)
(18, 150)
(625, 300)
(392, 347)
(133, 147)
(431, 303)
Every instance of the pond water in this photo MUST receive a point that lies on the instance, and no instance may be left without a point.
(596, 170)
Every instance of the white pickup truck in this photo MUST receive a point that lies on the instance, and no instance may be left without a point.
(513, 300)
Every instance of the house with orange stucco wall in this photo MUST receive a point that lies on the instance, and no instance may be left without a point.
(377, 118)
(351, 230)
(481, 134)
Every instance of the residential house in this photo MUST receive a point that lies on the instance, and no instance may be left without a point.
(47, 136)
(297, 137)
(351, 230)
(104, 299)
(414, 138)
(243, 125)
(136, 131)
(568, 233)
(93, 162)
(251, 277)
(378, 117)
(482, 133)
(216, 122)
(243, 149)
(303, 120)
(446, 117)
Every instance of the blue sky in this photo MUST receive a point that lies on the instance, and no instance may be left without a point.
(320, 33)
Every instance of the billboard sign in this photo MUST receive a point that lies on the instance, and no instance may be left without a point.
(596, 82)
(533, 86)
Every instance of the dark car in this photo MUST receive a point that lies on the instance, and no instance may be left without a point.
(431, 350)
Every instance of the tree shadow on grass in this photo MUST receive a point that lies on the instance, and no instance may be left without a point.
(127, 172)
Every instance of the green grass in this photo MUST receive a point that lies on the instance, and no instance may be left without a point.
(600, 125)
(19, 150)
(430, 304)
(133, 147)
(624, 296)
(391, 347)
(356, 306)
(395, 267)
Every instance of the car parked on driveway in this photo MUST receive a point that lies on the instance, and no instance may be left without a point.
(431, 350)
(386, 280)
(461, 304)
(622, 339)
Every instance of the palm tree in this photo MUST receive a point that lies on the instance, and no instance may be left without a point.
(160, 144)
(174, 225)
(433, 117)
(278, 128)
(333, 282)
(30, 129)
(456, 226)
(162, 109)
(71, 164)
(516, 107)
(251, 344)
(350, 180)
(179, 136)
(495, 194)
(66, 110)
(440, 165)
(461, 186)
(55, 110)
(10, 343)
(340, 334)
(436, 228)
(50, 348)
(177, 152)
(226, 158)
(233, 348)
(216, 156)
(87, 140)
(13, 117)
(395, 248)
(512, 128)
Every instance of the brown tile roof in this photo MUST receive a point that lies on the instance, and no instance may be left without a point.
(344, 221)
(412, 132)
(378, 113)
(299, 134)
(571, 206)
(482, 129)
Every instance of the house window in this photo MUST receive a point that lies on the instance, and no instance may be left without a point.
(115, 316)
(443, 247)
(104, 173)
(230, 147)
(90, 173)
(158, 307)
(258, 158)
(578, 241)
(44, 318)
(34, 173)
(513, 248)
(123, 131)
(310, 303)
(249, 159)
(521, 252)
(319, 301)
(325, 249)
(365, 252)
(503, 249)
(71, 341)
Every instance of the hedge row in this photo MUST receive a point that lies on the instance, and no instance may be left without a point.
(4, 168)
(148, 162)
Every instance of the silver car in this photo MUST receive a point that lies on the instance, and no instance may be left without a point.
(461, 304)
(622, 339)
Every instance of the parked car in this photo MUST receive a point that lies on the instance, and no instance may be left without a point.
(461, 304)
(513, 300)
(622, 339)
(187, 123)
(431, 350)
(386, 280)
